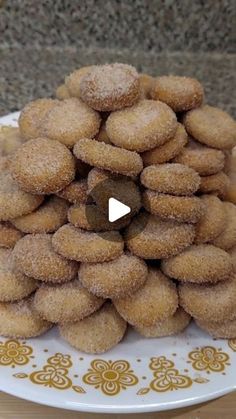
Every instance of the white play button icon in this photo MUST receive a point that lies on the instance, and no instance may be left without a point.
(116, 209)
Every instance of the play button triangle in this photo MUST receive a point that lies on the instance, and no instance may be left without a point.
(116, 209)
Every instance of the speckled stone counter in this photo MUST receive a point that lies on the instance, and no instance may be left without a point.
(27, 73)
(42, 41)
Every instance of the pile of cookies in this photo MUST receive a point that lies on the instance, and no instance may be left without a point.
(154, 143)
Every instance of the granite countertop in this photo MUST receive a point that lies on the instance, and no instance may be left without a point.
(28, 73)
(43, 41)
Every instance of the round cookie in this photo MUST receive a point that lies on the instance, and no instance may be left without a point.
(158, 239)
(13, 201)
(70, 121)
(9, 235)
(211, 126)
(43, 166)
(171, 178)
(215, 184)
(180, 93)
(204, 160)
(89, 217)
(102, 185)
(20, 320)
(35, 257)
(110, 87)
(202, 263)
(75, 192)
(219, 330)
(212, 221)
(14, 285)
(117, 278)
(10, 140)
(85, 246)
(227, 239)
(97, 333)
(64, 303)
(73, 81)
(155, 301)
(209, 302)
(108, 157)
(51, 215)
(62, 92)
(171, 326)
(32, 115)
(146, 125)
(146, 83)
(167, 151)
(185, 209)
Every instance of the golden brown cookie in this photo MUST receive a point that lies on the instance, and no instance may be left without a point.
(14, 285)
(211, 126)
(171, 326)
(35, 257)
(145, 125)
(209, 302)
(20, 320)
(9, 235)
(215, 184)
(167, 151)
(64, 303)
(43, 166)
(212, 221)
(70, 121)
(13, 201)
(97, 333)
(75, 192)
(117, 278)
(202, 263)
(32, 116)
(51, 215)
(85, 246)
(157, 238)
(185, 209)
(171, 178)
(110, 87)
(155, 301)
(180, 93)
(108, 157)
(227, 239)
(204, 160)
(219, 330)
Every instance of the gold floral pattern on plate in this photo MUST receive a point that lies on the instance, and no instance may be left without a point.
(166, 377)
(110, 376)
(13, 353)
(232, 344)
(54, 373)
(209, 359)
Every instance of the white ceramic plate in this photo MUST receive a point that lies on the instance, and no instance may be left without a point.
(139, 375)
